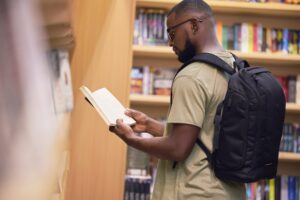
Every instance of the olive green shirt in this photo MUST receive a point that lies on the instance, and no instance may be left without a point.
(197, 91)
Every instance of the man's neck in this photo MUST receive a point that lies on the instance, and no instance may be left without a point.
(211, 46)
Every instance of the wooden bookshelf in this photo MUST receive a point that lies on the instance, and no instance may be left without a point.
(152, 100)
(157, 100)
(289, 157)
(234, 7)
(57, 23)
(259, 57)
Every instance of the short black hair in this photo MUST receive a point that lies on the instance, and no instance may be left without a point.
(191, 5)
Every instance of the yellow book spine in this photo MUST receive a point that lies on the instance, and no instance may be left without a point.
(272, 189)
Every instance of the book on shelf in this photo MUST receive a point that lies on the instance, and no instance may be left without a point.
(107, 106)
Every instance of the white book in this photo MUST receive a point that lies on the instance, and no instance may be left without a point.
(244, 37)
(107, 105)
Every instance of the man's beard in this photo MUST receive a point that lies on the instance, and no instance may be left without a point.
(188, 52)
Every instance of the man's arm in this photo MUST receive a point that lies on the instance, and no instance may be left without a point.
(175, 147)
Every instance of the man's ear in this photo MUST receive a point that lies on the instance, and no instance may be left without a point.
(194, 26)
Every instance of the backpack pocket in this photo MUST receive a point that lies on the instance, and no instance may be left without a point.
(234, 126)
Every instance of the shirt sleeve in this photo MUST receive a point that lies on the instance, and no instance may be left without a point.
(189, 98)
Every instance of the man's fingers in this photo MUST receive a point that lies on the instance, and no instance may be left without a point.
(133, 113)
(112, 129)
(129, 112)
(122, 127)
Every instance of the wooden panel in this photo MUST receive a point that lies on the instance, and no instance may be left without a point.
(102, 57)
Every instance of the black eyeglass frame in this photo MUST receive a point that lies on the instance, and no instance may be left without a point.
(171, 37)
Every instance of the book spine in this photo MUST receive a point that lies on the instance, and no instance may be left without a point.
(291, 188)
(269, 39)
(255, 37)
(284, 188)
(272, 189)
(244, 37)
(277, 187)
(219, 31)
(292, 89)
(250, 37)
(298, 89)
(279, 40)
(225, 37)
(295, 42)
(146, 80)
(285, 41)
(298, 140)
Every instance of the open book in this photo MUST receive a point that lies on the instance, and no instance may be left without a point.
(107, 105)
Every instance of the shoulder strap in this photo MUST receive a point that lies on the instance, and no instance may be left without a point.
(213, 60)
(209, 59)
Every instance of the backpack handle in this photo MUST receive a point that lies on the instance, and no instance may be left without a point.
(239, 63)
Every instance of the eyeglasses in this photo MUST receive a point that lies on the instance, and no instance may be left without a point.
(171, 30)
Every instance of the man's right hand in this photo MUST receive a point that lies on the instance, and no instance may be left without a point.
(144, 123)
(140, 118)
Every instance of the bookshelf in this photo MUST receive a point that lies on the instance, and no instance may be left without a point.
(275, 15)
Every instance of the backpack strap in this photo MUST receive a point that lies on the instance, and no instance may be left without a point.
(209, 59)
(216, 62)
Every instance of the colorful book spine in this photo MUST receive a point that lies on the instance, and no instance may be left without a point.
(272, 189)
(285, 41)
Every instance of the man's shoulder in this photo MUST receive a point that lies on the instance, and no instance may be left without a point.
(201, 69)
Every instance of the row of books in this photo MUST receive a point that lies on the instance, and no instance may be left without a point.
(249, 37)
(291, 87)
(137, 187)
(148, 80)
(151, 80)
(290, 140)
(280, 188)
(150, 29)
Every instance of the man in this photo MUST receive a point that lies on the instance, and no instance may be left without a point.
(196, 92)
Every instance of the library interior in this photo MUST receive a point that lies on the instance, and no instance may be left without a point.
(55, 146)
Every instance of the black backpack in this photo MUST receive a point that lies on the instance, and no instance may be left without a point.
(248, 123)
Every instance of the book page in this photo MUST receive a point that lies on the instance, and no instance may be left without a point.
(111, 107)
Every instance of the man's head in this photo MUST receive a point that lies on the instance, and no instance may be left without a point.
(190, 28)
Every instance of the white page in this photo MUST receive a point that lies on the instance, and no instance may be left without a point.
(111, 107)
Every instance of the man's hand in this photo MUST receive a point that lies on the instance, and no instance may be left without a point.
(122, 130)
(140, 118)
(145, 123)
